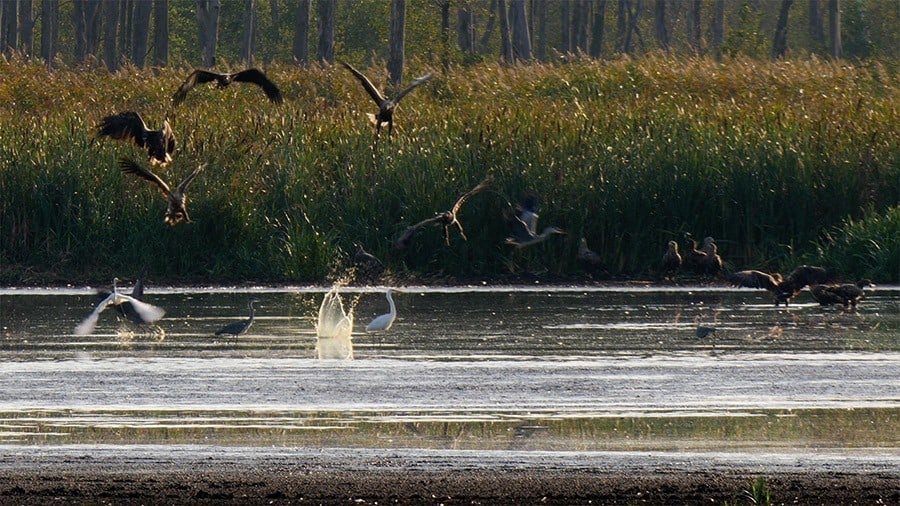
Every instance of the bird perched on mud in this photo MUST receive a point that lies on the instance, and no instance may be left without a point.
(694, 259)
(445, 219)
(252, 75)
(386, 105)
(847, 295)
(126, 309)
(771, 282)
(129, 126)
(177, 200)
(523, 225)
(589, 258)
(238, 328)
(712, 262)
(671, 260)
(147, 312)
(367, 265)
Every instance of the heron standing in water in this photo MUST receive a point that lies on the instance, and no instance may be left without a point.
(147, 312)
(384, 322)
(238, 328)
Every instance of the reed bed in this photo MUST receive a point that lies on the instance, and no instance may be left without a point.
(781, 162)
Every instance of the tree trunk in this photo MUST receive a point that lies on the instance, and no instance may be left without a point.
(506, 54)
(816, 25)
(565, 18)
(834, 28)
(633, 15)
(26, 27)
(161, 33)
(621, 24)
(49, 29)
(396, 42)
(580, 25)
(110, 34)
(484, 43)
(659, 24)
(140, 33)
(466, 28)
(208, 25)
(126, 12)
(301, 33)
(273, 13)
(326, 11)
(718, 28)
(249, 29)
(779, 44)
(92, 23)
(693, 25)
(80, 29)
(540, 12)
(445, 33)
(597, 30)
(9, 34)
(520, 35)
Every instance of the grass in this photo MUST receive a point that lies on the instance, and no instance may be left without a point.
(783, 163)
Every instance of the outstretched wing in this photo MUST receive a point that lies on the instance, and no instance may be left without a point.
(187, 181)
(126, 126)
(129, 166)
(90, 323)
(370, 88)
(484, 184)
(148, 312)
(197, 76)
(256, 76)
(412, 230)
(518, 229)
(413, 85)
(754, 279)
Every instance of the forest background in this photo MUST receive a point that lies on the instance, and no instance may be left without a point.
(768, 124)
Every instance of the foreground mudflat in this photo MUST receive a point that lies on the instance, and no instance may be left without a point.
(239, 475)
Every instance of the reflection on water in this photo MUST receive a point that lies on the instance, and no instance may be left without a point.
(519, 368)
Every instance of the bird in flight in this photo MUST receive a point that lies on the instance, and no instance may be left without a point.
(523, 225)
(386, 105)
(253, 75)
(147, 312)
(176, 210)
(445, 219)
(130, 127)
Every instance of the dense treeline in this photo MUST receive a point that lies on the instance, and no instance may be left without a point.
(207, 32)
(782, 162)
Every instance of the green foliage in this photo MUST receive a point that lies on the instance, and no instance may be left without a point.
(769, 158)
(758, 492)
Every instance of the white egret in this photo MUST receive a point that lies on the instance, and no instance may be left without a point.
(147, 312)
(384, 322)
(238, 328)
(386, 105)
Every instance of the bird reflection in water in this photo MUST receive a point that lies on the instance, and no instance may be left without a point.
(334, 327)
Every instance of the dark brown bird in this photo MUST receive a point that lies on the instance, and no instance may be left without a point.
(368, 266)
(848, 294)
(810, 275)
(130, 127)
(254, 76)
(671, 260)
(386, 105)
(772, 282)
(712, 262)
(445, 219)
(590, 259)
(176, 210)
(694, 259)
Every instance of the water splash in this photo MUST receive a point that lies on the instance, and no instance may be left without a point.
(334, 327)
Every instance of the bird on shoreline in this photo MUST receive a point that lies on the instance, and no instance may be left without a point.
(589, 258)
(251, 75)
(238, 328)
(147, 312)
(177, 200)
(847, 295)
(445, 219)
(693, 259)
(671, 260)
(386, 105)
(130, 127)
(712, 262)
(367, 265)
(384, 322)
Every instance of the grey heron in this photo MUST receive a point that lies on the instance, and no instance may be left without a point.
(238, 328)
(147, 312)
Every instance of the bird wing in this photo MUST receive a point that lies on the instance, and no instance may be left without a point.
(148, 312)
(90, 323)
(129, 166)
(127, 126)
(168, 137)
(519, 230)
(138, 291)
(412, 230)
(197, 76)
(183, 186)
(751, 279)
(256, 76)
(370, 88)
(413, 85)
(484, 184)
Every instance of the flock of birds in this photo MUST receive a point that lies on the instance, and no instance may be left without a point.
(160, 146)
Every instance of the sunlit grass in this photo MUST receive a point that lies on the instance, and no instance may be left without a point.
(769, 158)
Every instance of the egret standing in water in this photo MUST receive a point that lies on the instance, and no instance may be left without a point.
(384, 322)
(238, 328)
(147, 312)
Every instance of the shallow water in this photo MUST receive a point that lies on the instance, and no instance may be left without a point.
(467, 368)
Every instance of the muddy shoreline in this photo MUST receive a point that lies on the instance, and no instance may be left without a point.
(221, 475)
